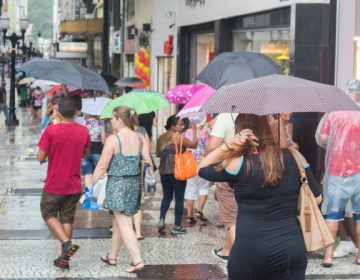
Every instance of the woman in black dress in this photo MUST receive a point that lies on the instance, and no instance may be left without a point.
(269, 243)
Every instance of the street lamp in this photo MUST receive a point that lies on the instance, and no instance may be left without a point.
(13, 38)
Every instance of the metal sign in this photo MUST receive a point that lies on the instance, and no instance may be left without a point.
(73, 47)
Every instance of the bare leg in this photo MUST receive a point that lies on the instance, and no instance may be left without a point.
(333, 227)
(137, 223)
(68, 229)
(189, 207)
(358, 242)
(202, 200)
(350, 226)
(342, 232)
(229, 240)
(124, 224)
(57, 229)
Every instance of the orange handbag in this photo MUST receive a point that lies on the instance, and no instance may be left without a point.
(185, 163)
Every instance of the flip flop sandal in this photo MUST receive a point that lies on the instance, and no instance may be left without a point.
(133, 269)
(62, 263)
(140, 238)
(191, 220)
(109, 261)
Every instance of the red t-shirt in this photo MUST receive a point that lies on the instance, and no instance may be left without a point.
(64, 144)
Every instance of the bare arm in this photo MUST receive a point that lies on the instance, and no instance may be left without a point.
(41, 155)
(103, 135)
(145, 151)
(213, 143)
(86, 152)
(105, 158)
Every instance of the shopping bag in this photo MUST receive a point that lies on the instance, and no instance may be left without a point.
(185, 163)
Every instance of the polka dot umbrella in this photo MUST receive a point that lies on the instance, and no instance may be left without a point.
(182, 93)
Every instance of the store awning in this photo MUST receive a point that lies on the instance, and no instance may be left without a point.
(83, 26)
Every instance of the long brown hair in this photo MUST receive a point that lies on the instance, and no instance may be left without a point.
(270, 154)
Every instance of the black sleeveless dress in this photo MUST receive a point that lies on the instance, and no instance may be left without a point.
(268, 243)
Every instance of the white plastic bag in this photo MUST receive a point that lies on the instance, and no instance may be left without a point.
(99, 191)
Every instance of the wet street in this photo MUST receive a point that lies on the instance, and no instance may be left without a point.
(27, 248)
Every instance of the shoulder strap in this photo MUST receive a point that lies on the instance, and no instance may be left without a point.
(118, 138)
(298, 156)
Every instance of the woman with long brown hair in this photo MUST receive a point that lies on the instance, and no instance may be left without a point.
(268, 243)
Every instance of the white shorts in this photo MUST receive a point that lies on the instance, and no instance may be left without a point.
(196, 186)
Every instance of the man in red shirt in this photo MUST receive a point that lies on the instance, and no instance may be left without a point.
(65, 144)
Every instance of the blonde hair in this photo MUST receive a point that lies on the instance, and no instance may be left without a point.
(124, 113)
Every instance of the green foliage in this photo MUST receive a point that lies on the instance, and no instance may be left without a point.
(41, 16)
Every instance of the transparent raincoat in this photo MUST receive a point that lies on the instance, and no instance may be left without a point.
(339, 133)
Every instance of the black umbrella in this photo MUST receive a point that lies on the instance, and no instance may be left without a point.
(235, 67)
(129, 82)
(110, 79)
(64, 72)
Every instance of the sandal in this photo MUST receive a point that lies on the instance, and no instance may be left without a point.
(191, 220)
(109, 261)
(62, 263)
(326, 264)
(201, 216)
(134, 267)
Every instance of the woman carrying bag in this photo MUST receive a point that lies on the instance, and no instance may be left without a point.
(166, 150)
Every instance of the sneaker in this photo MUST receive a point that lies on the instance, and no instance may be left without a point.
(178, 230)
(216, 252)
(344, 248)
(161, 225)
(68, 250)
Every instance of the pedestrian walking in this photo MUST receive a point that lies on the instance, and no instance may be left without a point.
(96, 129)
(223, 129)
(165, 149)
(139, 215)
(121, 157)
(197, 187)
(269, 243)
(339, 132)
(3, 106)
(64, 145)
(37, 102)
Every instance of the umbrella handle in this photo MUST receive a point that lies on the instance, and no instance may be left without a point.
(65, 89)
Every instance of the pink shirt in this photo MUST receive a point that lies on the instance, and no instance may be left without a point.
(343, 145)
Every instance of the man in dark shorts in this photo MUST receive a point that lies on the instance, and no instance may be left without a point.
(65, 144)
(3, 106)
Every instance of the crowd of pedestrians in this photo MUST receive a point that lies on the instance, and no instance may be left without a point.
(251, 160)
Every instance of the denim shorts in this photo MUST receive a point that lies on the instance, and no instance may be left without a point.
(338, 191)
(88, 164)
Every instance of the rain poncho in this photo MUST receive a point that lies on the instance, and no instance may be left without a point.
(339, 133)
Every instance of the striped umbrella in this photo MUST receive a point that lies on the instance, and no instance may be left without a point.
(277, 94)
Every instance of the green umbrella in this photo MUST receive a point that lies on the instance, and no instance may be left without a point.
(141, 101)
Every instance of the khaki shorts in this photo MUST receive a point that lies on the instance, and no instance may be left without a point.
(227, 204)
(62, 206)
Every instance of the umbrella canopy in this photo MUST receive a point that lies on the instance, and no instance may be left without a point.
(44, 84)
(140, 101)
(130, 82)
(277, 94)
(54, 89)
(26, 81)
(83, 93)
(235, 67)
(110, 79)
(94, 106)
(182, 93)
(192, 108)
(64, 72)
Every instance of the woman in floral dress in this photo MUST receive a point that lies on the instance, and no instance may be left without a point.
(121, 157)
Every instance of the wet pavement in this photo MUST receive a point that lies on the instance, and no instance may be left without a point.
(27, 247)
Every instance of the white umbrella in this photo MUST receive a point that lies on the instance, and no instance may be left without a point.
(44, 84)
(94, 106)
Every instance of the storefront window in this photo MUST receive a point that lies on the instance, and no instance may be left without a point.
(357, 58)
(274, 43)
(202, 52)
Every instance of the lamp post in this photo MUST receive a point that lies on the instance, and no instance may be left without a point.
(13, 38)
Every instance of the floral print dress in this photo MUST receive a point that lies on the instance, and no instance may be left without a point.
(123, 187)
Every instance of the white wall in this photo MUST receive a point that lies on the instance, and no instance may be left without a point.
(217, 9)
(347, 14)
